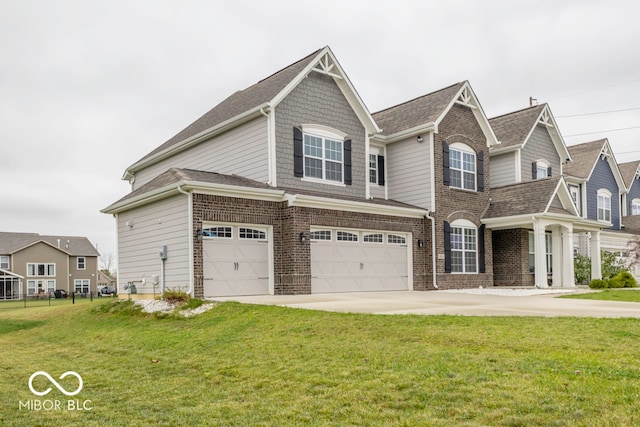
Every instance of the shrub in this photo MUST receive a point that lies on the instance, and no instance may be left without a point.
(175, 296)
(624, 279)
(611, 264)
(599, 284)
(582, 269)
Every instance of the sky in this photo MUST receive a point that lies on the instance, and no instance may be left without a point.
(87, 88)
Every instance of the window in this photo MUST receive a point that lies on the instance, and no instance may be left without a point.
(321, 235)
(373, 238)
(81, 286)
(34, 269)
(82, 263)
(31, 287)
(51, 286)
(635, 207)
(373, 168)
(540, 169)
(462, 167)
(604, 205)
(345, 236)
(575, 196)
(250, 233)
(548, 252)
(394, 239)
(4, 262)
(464, 249)
(221, 232)
(322, 158)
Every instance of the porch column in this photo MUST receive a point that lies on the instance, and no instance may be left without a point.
(540, 255)
(596, 269)
(557, 257)
(568, 276)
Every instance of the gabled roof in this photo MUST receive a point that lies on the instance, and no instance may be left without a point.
(529, 198)
(514, 129)
(585, 157)
(427, 111)
(262, 96)
(76, 246)
(629, 172)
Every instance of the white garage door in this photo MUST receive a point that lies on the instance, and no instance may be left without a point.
(235, 260)
(358, 261)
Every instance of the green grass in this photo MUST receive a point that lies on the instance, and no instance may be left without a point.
(249, 365)
(628, 295)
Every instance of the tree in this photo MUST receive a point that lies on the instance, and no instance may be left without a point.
(106, 263)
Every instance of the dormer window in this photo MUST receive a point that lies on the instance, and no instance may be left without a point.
(604, 205)
(540, 169)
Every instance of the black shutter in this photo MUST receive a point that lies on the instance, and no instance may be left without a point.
(447, 247)
(445, 163)
(480, 170)
(549, 170)
(380, 170)
(298, 158)
(534, 170)
(481, 261)
(347, 161)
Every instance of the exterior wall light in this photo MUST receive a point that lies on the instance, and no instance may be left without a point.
(303, 238)
(420, 138)
(420, 243)
(199, 233)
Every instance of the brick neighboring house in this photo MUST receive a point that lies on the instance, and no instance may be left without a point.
(291, 186)
(31, 264)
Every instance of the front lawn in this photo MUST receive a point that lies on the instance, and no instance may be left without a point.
(628, 295)
(250, 365)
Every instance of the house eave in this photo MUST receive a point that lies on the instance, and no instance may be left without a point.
(197, 138)
(317, 202)
(504, 149)
(423, 130)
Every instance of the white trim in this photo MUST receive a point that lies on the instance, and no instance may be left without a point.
(546, 119)
(323, 131)
(518, 169)
(432, 171)
(318, 202)
(422, 129)
(323, 181)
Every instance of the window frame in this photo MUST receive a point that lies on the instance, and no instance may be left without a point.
(462, 248)
(635, 205)
(81, 265)
(324, 133)
(604, 195)
(5, 260)
(463, 149)
(82, 286)
(548, 247)
(48, 269)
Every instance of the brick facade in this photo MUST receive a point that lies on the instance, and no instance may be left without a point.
(460, 125)
(292, 259)
(511, 258)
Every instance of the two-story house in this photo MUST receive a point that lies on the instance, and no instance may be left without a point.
(292, 186)
(631, 211)
(31, 264)
(598, 190)
(532, 215)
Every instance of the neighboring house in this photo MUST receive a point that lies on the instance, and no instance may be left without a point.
(31, 264)
(531, 215)
(631, 208)
(598, 189)
(104, 279)
(291, 186)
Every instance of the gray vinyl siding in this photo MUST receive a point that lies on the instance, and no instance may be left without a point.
(556, 203)
(634, 193)
(240, 151)
(318, 100)
(503, 169)
(539, 146)
(377, 191)
(409, 173)
(602, 178)
(160, 223)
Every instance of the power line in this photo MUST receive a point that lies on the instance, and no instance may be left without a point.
(601, 131)
(599, 112)
(593, 90)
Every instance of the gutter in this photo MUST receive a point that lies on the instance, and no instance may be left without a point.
(433, 247)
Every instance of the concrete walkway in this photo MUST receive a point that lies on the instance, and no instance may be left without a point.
(443, 302)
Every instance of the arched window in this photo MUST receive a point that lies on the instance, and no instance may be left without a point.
(604, 205)
(541, 169)
(462, 166)
(464, 247)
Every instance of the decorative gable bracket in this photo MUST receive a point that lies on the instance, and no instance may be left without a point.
(545, 119)
(466, 99)
(605, 154)
(326, 66)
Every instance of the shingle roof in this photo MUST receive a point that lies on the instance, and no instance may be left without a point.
(425, 109)
(513, 128)
(583, 157)
(77, 246)
(524, 198)
(628, 171)
(239, 102)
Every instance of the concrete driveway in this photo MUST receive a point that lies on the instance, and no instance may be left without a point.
(444, 302)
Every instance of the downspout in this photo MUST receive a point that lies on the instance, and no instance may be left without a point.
(271, 154)
(190, 222)
(433, 247)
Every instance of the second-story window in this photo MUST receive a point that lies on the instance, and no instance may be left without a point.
(462, 168)
(635, 207)
(540, 169)
(4, 262)
(604, 205)
(322, 158)
(82, 263)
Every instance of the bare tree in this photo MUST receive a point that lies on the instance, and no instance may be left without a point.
(106, 262)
